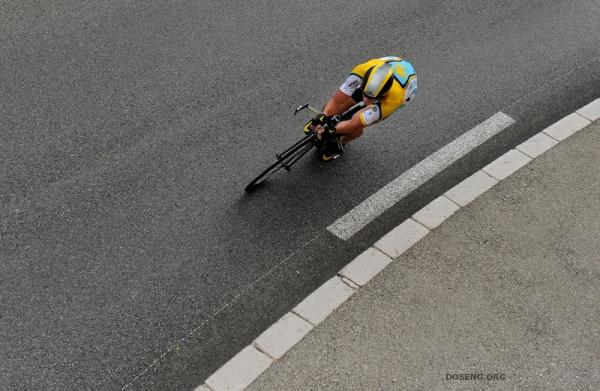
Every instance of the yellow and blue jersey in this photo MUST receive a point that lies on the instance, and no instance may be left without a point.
(403, 90)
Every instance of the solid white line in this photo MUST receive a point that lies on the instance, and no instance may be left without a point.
(368, 210)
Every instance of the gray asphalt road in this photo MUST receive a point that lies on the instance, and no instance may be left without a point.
(507, 286)
(130, 257)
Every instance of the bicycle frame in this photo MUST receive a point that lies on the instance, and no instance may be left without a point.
(287, 158)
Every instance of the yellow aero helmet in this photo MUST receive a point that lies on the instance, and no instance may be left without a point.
(377, 81)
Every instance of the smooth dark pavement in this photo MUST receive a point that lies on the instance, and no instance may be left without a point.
(130, 257)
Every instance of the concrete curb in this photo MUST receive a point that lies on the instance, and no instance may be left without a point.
(366, 266)
(321, 303)
(590, 111)
(246, 366)
(239, 372)
(284, 334)
(401, 238)
(436, 212)
(506, 165)
(471, 188)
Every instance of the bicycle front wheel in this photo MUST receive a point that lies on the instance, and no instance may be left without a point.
(286, 160)
(275, 167)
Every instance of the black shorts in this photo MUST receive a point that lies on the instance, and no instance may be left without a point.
(357, 95)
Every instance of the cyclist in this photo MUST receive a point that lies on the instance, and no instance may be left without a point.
(383, 84)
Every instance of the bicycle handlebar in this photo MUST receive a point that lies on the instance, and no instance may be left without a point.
(336, 118)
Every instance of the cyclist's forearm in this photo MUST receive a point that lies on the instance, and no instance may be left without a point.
(350, 126)
(338, 103)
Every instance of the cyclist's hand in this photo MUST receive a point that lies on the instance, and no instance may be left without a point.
(320, 119)
(325, 132)
(315, 122)
(330, 129)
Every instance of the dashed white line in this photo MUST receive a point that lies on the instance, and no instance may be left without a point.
(355, 220)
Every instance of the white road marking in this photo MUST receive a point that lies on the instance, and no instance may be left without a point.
(368, 210)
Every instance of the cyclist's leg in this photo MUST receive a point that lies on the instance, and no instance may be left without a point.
(350, 129)
(347, 137)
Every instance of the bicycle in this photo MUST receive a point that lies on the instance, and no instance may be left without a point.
(287, 158)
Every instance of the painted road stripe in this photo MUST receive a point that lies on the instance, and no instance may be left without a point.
(355, 220)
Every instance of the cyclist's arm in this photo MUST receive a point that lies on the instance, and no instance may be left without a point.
(350, 126)
(350, 129)
(353, 128)
(338, 103)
